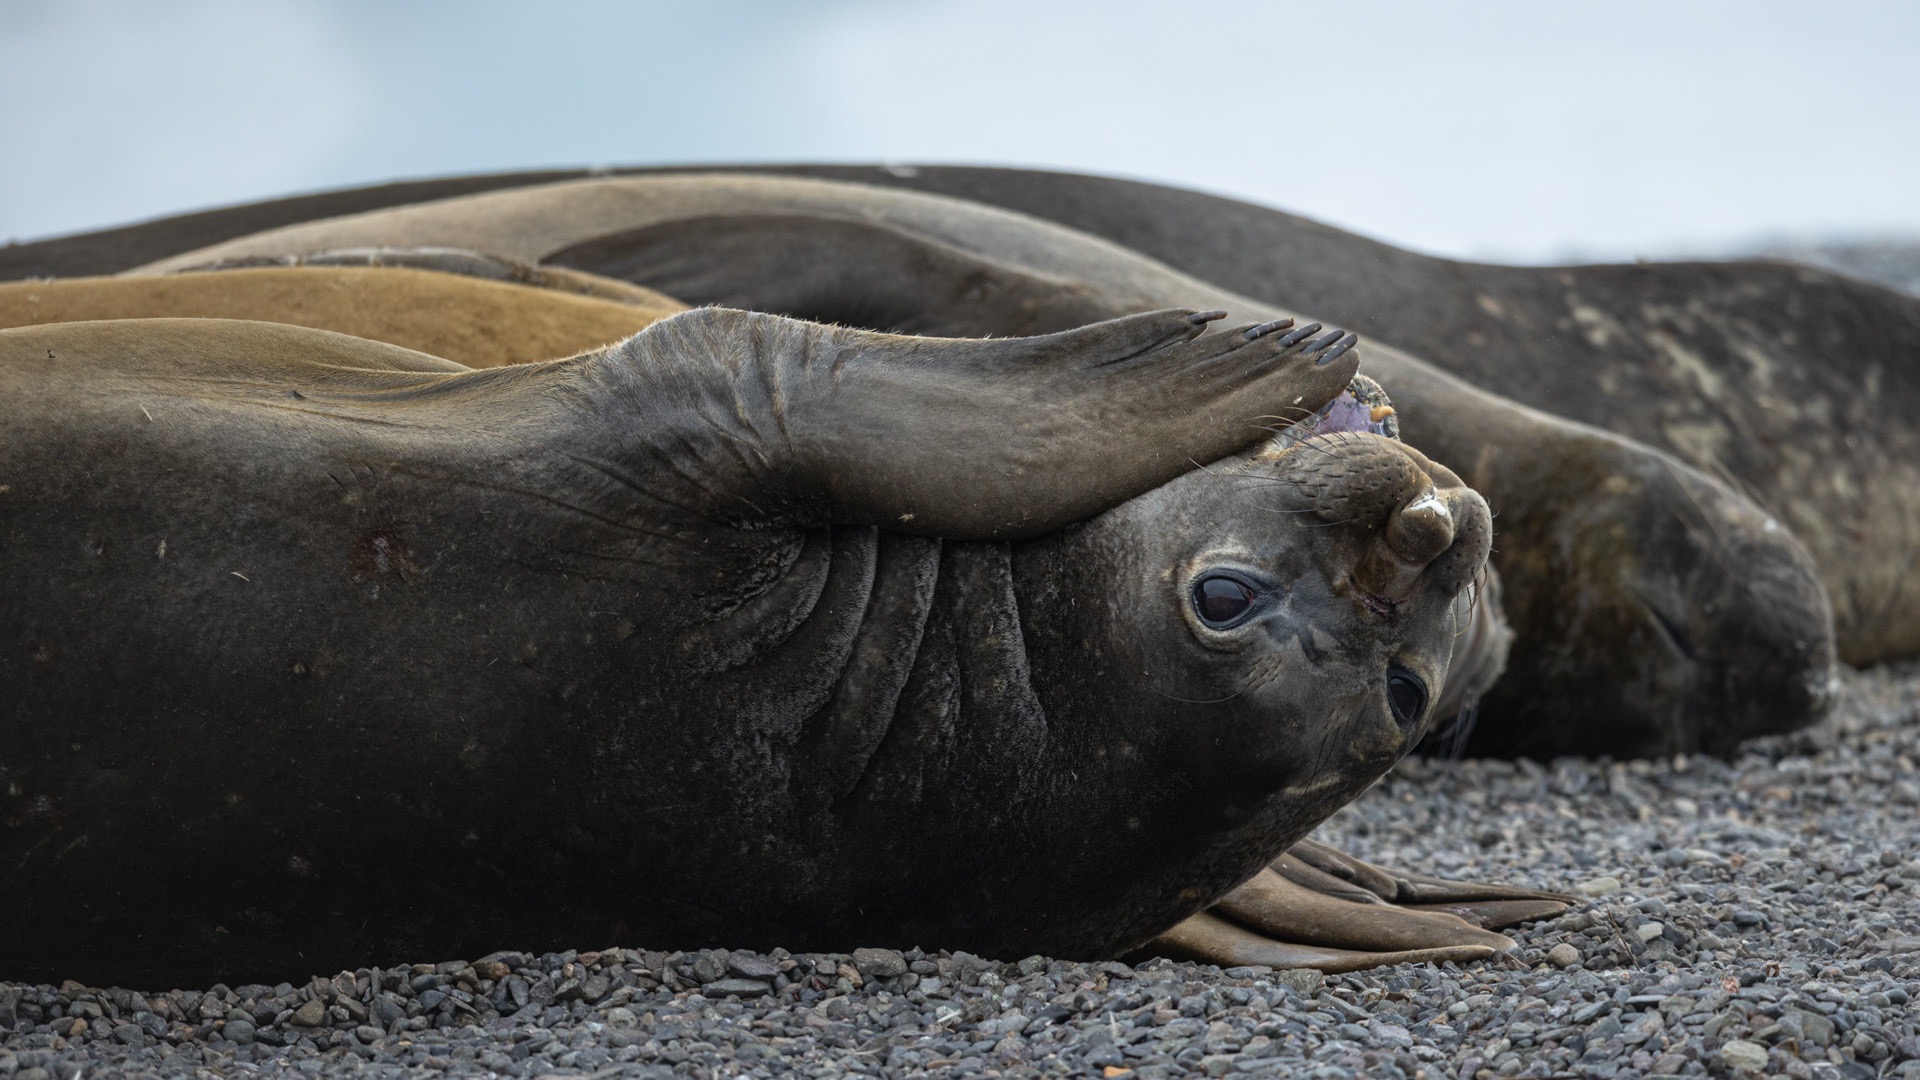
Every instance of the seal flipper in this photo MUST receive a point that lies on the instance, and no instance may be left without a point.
(1320, 908)
(1209, 939)
(967, 439)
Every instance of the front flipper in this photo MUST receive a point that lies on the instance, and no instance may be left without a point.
(777, 420)
(1316, 907)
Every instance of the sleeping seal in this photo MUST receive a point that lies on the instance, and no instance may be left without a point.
(1655, 609)
(745, 631)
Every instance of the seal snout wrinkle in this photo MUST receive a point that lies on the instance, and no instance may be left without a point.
(1406, 513)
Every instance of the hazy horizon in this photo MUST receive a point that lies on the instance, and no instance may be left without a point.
(1480, 130)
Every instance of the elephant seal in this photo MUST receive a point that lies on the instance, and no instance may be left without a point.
(1656, 610)
(744, 631)
(475, 322)
(1759, 374)
(1773, 377)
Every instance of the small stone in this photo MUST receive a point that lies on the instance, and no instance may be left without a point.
(1600, 886)
(1649, 931)
(312, 1014)
(1741, 1054)
(1817, 1028)
(750, 966)
(368, 1034)
(239, 1031)
(621, 1016)
(1303, 980)
(710, 967)
(1563, 955)
(745, 988)
(879, 963)
(1216, 1064)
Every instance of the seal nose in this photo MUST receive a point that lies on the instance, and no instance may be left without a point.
(1417, 532)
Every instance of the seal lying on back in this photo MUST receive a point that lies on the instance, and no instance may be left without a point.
(746, 630)
(1656, 610)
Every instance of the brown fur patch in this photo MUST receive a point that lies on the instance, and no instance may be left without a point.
(471, 321)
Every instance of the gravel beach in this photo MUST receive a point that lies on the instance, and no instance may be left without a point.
(1749, 917)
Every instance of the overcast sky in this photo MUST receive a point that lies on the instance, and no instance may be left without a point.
(1513, 129)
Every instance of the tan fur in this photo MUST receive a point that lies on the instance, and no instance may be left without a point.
(471, 321)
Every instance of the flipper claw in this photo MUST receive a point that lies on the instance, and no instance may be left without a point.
(1339, 349)
(1299, 335)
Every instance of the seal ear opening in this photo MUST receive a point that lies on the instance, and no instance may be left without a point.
(1362, 406)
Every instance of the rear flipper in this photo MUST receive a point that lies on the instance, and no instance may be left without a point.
(1316, 907)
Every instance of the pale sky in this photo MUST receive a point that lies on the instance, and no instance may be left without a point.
(1509, 129)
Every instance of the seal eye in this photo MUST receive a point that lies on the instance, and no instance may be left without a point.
(1406, 695)
(1222, 601)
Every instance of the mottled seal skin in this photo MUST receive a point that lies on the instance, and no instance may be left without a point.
(320, 652)
(1656, 610)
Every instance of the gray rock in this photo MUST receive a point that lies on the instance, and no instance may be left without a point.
(749, 966)
(746, 988)
(1303, 980)
(710, 967)
(879, 963)
(1743, 1055)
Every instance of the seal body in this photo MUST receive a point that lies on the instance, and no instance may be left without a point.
(1656, 610)
(323, 653)
(1768, 376)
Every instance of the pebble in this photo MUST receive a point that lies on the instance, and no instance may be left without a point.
(1740, 919)
(1741, 1054)
(879, 963)
(1600, 886)
(1563, 955)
